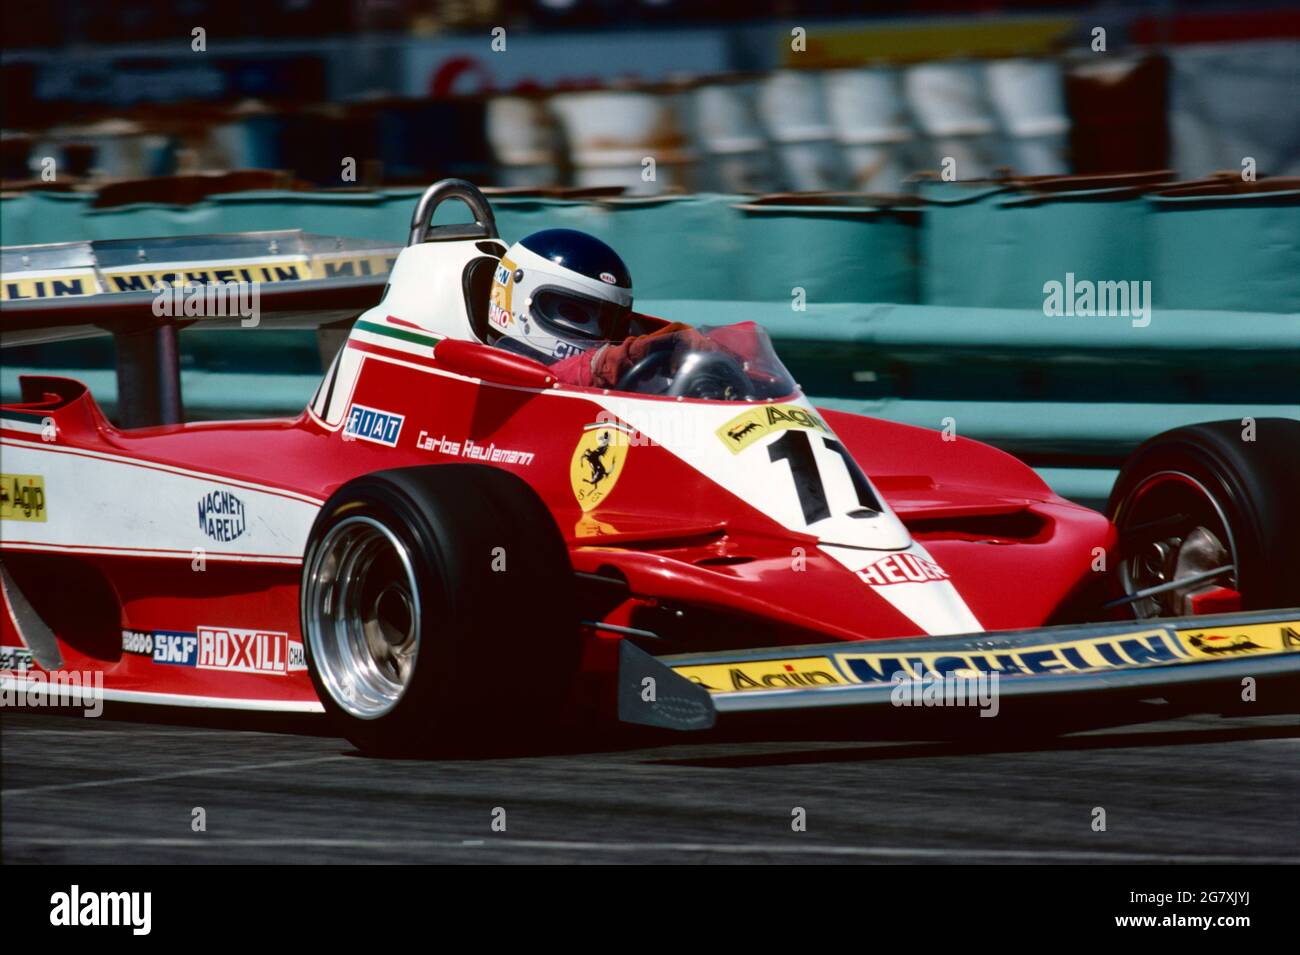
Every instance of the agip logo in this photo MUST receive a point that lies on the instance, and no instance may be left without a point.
(22, 497)
(597, 462)
(757, 423)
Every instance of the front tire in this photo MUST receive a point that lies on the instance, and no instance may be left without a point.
(438, 610)
(1199, 498)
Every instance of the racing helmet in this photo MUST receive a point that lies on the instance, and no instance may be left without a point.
(559, 292)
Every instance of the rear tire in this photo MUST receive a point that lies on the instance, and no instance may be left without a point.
(438, 610)
(1201, 495)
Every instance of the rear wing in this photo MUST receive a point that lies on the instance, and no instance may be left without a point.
(1208, 664)
(142, 291)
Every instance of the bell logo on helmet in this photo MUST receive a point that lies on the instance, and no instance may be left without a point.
(608, 277)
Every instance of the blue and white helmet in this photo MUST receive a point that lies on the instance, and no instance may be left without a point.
(559, 292)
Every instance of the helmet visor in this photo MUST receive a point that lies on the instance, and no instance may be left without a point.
(569, 314)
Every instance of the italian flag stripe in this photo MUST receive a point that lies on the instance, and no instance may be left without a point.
(418, 338)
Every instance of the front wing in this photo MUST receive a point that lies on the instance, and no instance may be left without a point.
(1215, 663)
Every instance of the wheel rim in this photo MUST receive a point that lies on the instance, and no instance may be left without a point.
(362, 616)
(1172, 528)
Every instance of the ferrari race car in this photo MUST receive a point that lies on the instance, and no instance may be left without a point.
(449, 544)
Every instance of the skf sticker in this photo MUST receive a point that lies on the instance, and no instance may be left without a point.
(371, 424)
(175, 647)
(757, 423)
(22, 497)
(597, 463)
(1229, 641)
(804, 673)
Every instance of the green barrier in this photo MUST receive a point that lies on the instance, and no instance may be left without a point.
(876, 351)
(1237, 251)
(993, 247)
(675, 246)
(1034, 430)
(963, 244)
(832, 253)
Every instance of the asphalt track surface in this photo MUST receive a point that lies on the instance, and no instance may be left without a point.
(122, 788)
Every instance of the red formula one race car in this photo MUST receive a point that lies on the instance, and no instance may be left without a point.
(451, 541)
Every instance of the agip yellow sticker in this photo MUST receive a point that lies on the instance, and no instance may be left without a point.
(802, 673)
(757, 423)
(22, 497)
(1227, 641)
(597, 463)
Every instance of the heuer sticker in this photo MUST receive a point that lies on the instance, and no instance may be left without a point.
(22, 497)
(902, 568)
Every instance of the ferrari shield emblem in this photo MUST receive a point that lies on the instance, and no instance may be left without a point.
(597, 463)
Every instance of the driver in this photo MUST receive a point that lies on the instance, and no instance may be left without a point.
(564, 298)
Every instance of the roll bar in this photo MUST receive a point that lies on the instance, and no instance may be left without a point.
(423, 229)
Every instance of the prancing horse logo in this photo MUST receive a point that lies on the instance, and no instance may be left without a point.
(597, 463)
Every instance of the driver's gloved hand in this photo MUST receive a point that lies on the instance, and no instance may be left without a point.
(605, 366)
(610, 363)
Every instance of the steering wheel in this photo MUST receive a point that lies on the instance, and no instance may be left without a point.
(645, 368)
(701, 374)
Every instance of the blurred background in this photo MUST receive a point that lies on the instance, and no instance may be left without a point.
(725, 96)
(911, 173)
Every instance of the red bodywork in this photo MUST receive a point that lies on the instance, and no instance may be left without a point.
(689, 550)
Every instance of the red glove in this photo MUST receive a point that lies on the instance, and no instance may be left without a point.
(604, 367)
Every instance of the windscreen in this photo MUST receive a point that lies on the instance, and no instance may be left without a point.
(719, 363)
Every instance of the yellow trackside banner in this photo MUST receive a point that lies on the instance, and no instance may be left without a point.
(905, 42)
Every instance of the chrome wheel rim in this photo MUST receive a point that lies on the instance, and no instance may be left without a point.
(1175, 530)
(362, 616)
